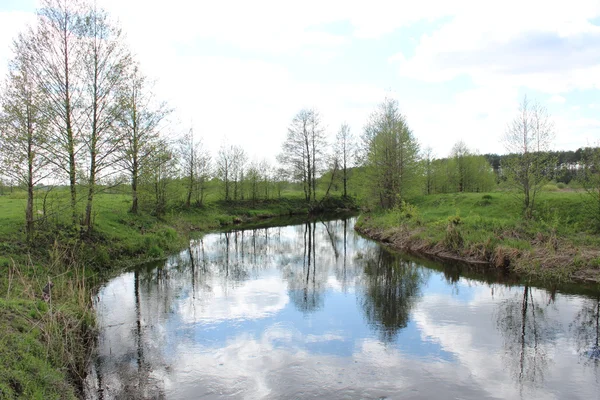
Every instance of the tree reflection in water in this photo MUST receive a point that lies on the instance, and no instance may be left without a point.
(304, 288)
(528, 336)
(586, 330)
(391, 287)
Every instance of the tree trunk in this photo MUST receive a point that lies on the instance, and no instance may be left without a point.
(134, 187)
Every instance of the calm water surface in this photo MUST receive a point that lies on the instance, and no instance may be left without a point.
(316, 311)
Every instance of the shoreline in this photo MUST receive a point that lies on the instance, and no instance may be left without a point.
(563, 263)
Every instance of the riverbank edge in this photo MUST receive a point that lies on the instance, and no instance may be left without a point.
(551, 261)
(77, 324)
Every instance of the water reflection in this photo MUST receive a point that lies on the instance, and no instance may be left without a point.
(528, 335)
(315, 310)
(586, 330)
(391, 288)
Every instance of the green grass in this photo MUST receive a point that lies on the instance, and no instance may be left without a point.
(488, 226)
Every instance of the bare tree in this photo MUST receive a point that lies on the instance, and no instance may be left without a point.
(141, 124)
(23, 130)
(195, 165)
(253, 177)
(106, 59)
(56, 53)
(344, 150)
(303, 150)
(238, 169)
(161, 169)
(528, 139)
(265, 172)
(224, 169)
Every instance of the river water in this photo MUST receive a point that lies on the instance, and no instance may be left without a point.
(314, 310)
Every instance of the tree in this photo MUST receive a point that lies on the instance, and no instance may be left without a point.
(253, 178)
(472, 172)
(460, 152)
(195, 165)
(428, 169)
(344, 150)
(528, 139)
(302, 154)
(23, 131)
(224, 169)
(265, 173)
(55, 50)
(238, 170)
(106, 60)
(161, 170)
(140, 121)
(390, 154)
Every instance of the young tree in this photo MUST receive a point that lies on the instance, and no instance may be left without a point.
(528, 139)
(238, 170)
(22, 131)
(460, 153)
(195, 165)
(302, 153)
(428, 169)
(55, 50)
(140, 122)
(391, 155)
(105, 62)
(344, 150)
(265, 174)
(161, 169)
(253, 178)
(230, 169)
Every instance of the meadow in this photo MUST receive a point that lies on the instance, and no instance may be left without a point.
(559, 243)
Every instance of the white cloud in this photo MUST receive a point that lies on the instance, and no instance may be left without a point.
(253, 299)
(229, 66)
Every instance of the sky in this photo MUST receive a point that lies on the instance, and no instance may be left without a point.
(238, 71)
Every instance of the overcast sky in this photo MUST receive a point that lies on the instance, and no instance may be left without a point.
(240, 70)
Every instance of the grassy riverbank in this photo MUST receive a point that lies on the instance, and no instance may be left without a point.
(45, 346)
(487, 228)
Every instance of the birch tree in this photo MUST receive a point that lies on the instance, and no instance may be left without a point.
(195, 165)
(303, 150)
(105, 61)
(343, 151)
(528, 138)
(23, 131)
(141, 122)
(56, 53)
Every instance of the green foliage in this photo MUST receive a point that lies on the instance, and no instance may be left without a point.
(391, 156)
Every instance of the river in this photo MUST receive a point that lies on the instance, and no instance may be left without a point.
(314, 310)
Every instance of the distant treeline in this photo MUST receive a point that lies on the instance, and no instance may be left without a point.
(565, 166)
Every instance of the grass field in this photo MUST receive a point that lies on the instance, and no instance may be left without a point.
(558, 244)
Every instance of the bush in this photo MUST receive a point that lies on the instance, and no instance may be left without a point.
(550, 188)
(561, 185)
